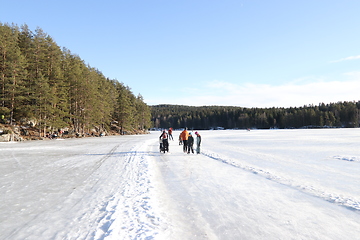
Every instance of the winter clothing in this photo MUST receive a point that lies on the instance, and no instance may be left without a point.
(198, 142)
(190, 143)
(184, 137)
(165, 142)
(170, 134)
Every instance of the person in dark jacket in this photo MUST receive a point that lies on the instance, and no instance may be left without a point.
(190, 143)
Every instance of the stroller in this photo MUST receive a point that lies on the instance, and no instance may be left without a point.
(164, 145)
(161, 145)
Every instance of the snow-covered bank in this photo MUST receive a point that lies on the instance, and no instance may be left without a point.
(271, 184)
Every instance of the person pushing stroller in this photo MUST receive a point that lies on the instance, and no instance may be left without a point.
(164, 143)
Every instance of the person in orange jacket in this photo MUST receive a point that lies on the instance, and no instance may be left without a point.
(184, 137)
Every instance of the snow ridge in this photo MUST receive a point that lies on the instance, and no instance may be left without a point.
(347, 158)
(130, 214)
(349, 202)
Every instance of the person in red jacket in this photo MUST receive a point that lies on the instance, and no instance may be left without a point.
(170, 134)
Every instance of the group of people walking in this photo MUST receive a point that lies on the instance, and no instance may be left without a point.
(185, 138)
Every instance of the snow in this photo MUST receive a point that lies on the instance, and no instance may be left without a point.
(259, 184)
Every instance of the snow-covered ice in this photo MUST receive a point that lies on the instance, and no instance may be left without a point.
(260, 184)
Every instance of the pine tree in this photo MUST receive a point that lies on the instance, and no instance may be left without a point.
(143, 114)
(12, 65)
(123, 113)
(58, 89)
(74, 70)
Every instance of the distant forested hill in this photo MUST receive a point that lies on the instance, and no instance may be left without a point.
(341, 114)
(53, 88)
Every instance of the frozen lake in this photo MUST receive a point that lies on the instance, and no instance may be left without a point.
(260, 184)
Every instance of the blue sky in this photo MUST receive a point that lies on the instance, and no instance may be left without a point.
(248, 53)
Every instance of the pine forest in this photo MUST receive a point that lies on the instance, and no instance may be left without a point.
(50, 88)
(341, 114)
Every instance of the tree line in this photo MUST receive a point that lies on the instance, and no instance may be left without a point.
(340, 114)
(54, 88)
